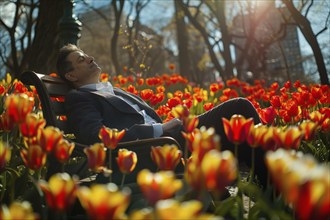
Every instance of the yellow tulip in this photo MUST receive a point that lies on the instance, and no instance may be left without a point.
(103, 202)
(158, 186)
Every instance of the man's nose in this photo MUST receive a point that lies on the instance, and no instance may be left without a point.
(91, 59)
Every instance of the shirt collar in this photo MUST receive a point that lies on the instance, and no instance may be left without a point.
(101, 86)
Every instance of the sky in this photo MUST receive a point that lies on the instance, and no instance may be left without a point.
(158, 13)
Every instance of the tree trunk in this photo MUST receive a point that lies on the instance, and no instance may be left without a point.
(42, 54)
(205, 36)
(226, 39)
(306, 29)
(182, 39)
(114, 39)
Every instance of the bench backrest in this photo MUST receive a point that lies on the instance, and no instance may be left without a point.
(51, 91)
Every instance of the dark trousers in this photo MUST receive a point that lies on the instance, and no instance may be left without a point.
(213, 118)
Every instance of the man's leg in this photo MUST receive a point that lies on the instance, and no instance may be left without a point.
(241, 106)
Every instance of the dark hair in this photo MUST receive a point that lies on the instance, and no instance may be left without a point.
(63, 66)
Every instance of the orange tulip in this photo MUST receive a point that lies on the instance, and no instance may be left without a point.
(5, 154)
(158, 186)
(308, 128)
(18, 106)
(60, 191)
(63, 150)
(166, 157)
(219, 169)
(30, 126)
(204, 141)
(49, 138)
(207, 106)
(288, 138)
(146, 94)
(104, 77)
(237, 128)
(34, 157)
(18, 210)
(95, 156)
(111, 137)
(103, 202)
(126, 160)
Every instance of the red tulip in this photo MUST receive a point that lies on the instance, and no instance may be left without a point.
(204, 141)
(146, 94)
(166, 157)
(18, 106)
(95, 156)
(219, 170)
(5, 154)
(158, 186)
(288, 138)
(30, 126)
(193, 173)
(49, 138)
(111, 137)
(267, 115)
(126, 160)
(60, 191)
(256, 135)
(308, 129)
(6, 123)
(103, 202)
(208, 106)
(237, 128)
(34, 157)
(63, 150)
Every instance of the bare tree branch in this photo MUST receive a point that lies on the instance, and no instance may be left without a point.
(309, 7)
(325, 26)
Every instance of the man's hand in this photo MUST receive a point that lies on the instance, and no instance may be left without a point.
(172, 126)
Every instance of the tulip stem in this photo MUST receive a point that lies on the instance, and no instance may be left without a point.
(239, 192)
(110, 164)
(236, 152)
(252, 165)
(122, 181)
(251, 172)
(185, 157)
(4, 185)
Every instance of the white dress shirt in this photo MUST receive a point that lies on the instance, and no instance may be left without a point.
(107, 88)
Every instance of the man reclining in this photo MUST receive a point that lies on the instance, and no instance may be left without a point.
(93, 104)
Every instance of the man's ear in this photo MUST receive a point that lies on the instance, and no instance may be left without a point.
(70, 76)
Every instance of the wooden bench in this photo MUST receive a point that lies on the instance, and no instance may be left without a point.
(51, 92)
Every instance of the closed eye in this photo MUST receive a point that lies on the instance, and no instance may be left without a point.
(81, 59)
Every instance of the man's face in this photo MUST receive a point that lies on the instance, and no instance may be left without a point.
(85, 70)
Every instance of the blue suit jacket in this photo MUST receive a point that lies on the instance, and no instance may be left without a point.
(88, 111)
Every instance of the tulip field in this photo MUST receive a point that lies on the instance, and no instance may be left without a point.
(295, 133)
